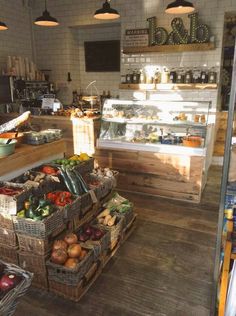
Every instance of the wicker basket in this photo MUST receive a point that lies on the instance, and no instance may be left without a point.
(98, 246)
(74, 293)
(11, 204)
(6, 221)
(68, 276)
(115, 231)
(40, 281)
(104, 188)
(72, 210)
(35, 245)
(9, 254)
(32, 262)
(51, 225)
(8, 237)
(86, 203)
(9, 302)
(85, 166)
(127, 216)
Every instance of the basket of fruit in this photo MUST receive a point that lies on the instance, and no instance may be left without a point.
(14, 282)
(69, 261)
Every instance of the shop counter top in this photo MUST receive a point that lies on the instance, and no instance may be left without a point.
(26, 157)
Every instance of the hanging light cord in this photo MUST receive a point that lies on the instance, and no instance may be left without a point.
(45, 5)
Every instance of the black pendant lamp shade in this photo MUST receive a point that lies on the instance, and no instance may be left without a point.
(46, 19)
(180, 7)
(106, 12)
(3, 26)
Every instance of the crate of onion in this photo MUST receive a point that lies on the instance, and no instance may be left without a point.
(70, 260)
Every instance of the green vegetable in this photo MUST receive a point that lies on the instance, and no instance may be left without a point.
(46, 211)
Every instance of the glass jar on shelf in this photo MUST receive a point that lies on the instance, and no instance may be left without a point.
(180, 76)
(129, 76)
(173, 76)
(165, 75)
(196, 75)
(157, 76)
(142, 76)
(188, 76)
(204, 76)
(212, 76)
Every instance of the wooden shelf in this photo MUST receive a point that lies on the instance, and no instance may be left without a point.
(169, 48)
(168, 86)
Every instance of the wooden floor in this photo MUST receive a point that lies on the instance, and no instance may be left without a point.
(164, 268)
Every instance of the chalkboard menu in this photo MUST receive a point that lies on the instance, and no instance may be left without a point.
(102, 56)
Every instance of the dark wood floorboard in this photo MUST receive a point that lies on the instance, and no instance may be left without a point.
(165, 268)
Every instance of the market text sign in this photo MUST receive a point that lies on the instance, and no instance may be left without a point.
(198, 33)
(136, 37)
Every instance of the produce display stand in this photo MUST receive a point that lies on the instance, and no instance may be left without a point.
(94, 272)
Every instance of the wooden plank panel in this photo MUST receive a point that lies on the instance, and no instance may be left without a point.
(169, 48)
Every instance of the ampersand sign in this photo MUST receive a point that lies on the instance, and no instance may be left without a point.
(199, 33)
(179, 35)
(152, 29)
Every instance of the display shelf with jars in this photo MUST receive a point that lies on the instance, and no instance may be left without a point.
(173, 79)
(160, 147)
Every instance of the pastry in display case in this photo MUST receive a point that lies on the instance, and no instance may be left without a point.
(154, 123)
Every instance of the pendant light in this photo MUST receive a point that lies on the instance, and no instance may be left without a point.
(106, 12)
(3, 26)
(180, 7)
(46, 19)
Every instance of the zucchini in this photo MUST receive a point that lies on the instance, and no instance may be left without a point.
(83, 183)
(74, 182)
(66, 180)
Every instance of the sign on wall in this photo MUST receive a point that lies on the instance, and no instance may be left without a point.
(154, 35)
(136, 37)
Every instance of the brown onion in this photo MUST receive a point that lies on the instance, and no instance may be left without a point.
(59, 256)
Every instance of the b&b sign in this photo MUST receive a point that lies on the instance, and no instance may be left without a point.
(199, 33)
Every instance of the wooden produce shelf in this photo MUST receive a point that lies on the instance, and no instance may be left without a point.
(168, 86)
(28, 156)
(169, 48)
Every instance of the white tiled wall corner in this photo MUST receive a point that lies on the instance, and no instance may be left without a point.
(56, 50)
(16, 41)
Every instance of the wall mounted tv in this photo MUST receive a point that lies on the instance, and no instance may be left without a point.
(102, 56)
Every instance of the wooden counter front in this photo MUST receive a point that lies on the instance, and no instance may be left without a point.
(80, 134)
(169, 175)
(29, 156)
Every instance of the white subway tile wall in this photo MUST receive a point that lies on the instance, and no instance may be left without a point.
(16, 41)
(60, 49)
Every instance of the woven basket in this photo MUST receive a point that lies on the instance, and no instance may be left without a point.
(74, 293)
(40, 281)
(68, 276)
(35, 245)
(12, 204)
(98, 246)
(86, 203)
(72, 210)
(115, 231)
(40, 229)
(127, 216)
(32, 262)
(6, 221)
(85, 166)
(8, 237)
(9, 254)
(9, 302)
(104, 188)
